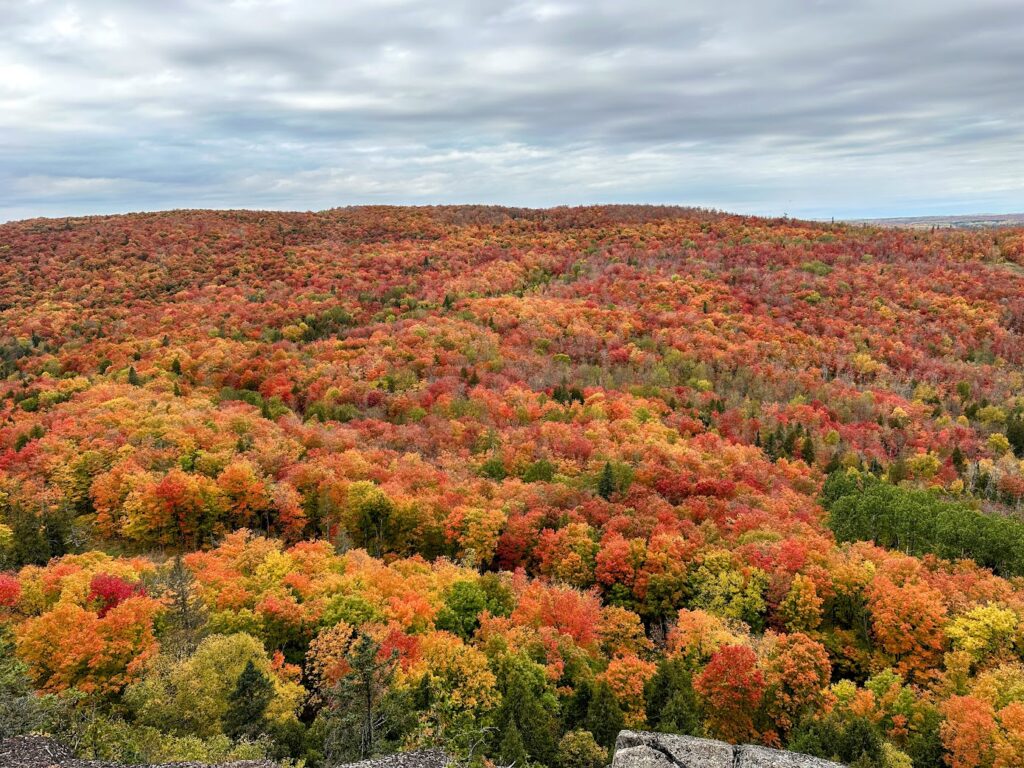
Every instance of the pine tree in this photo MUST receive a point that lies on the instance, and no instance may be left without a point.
(604, 716)
(671, 701)
(248, 703)
(524, 696)
(360, 709)
(578, 704)
(186, 616)
(807, 452)
(30, 544)
(606, 485)
(133, 376)
(513, 751)
(176, 367)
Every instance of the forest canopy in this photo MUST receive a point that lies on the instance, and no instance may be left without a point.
(318, 486)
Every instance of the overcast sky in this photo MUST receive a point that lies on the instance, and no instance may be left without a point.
(812, 108)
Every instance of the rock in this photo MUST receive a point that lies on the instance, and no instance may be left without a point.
(423, 758)
(33, 752)
(43, 752)
(762, 757)
(641, 749)
(684, 751)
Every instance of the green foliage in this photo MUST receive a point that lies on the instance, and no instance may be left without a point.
(512, 751)
(116, 740)
(364, 718)
(855, 741)
(539, 471)
(606, 485)
(247, 704)
(863, 507)
(604, 715)
(672, 705)
(192, 696)
(528, 706)
(579, 749)
(182, 624)
(21, 710)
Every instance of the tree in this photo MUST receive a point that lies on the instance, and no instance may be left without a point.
(968, 733)
(185, 617)
(512, 753)
(528, 706)
(672, 705)
(248, 703)
(796, 673)
(604, 715)
(606, 485)
(732, 687)
(359, 717)
(578, 749)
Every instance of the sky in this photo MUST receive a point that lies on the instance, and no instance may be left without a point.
(812, 108)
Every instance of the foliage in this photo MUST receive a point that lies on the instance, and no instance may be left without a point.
(524, 477)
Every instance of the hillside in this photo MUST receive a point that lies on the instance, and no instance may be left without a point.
(977, 221)
(507, 481)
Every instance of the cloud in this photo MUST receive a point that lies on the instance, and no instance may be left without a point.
(768, 106)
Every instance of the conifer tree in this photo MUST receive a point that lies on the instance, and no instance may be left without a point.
(671, 701)
(513, 751)
(606, 485)
(360, 712)
(247, 704)
(604, 716)
(186, 616)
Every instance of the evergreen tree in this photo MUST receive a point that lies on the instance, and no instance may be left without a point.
(578, 704)
(186, 616)
(1015, 435)
(604, 716)
(807, 452)
(513, 751)
(606, 485)
(133, 376)
(361, 711)
(248, 703)
(529, 707)
(671, 701)
(31, 546)
(958, 460)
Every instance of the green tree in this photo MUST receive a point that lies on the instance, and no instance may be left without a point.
(578, 749)
(606, 485)
(248, 703)
(362, 713)
(604, 715)
(672, 705)
(185, 618)
(513, 751)
(463, 603)
(529, 706)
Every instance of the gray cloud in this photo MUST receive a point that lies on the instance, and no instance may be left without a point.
(768, 106)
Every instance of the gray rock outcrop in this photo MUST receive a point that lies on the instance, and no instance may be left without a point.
(641, 749)
(43, 752)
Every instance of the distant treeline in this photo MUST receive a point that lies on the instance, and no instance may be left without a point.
(864, 508)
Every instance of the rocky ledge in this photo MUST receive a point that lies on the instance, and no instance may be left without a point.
(633, 749)
(637, 749)
(42, 752)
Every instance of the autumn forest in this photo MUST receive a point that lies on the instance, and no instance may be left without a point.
(320, 486)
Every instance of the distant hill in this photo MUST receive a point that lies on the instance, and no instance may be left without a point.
(973, 221)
